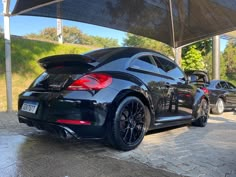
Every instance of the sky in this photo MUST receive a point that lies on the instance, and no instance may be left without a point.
(22, 25)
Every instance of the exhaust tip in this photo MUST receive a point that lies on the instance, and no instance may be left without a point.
(62, 134)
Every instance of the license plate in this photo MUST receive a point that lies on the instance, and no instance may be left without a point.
(30, 106)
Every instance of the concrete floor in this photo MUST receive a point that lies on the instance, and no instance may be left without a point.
(185, 151)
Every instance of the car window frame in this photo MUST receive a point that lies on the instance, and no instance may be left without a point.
(184, 79)
(222, 86)
(137, 56)
(218, 83)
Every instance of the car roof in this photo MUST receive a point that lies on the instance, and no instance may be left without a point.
(111, 54)
(214, 82)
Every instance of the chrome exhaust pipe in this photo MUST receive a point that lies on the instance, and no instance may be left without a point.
(62, 134)
(67, 133)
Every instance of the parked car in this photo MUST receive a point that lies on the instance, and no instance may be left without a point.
(115, 93)
(222, 96)
(197, 77)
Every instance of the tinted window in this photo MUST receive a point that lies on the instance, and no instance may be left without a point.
(223, 85)
(171, 69)
(230, 86)
(198, 78)
(159, 65)
(111, 54)
(218, 86)
(144, 63)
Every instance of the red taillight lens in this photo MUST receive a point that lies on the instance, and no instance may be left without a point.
(74, 122)
(95, 81)
(205, 90)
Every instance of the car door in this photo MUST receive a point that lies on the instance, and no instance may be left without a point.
(182, 94)
(224, 91)
(144, 67)
(231, 96)
(216, 91)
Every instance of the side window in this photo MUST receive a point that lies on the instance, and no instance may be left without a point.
(224, 85)
(145, 63)
(231, 86)
(159, 65)
(218, 86)
(171, 69)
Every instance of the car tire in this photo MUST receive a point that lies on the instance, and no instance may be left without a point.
(129, 124)
(202, 114)
(219, 107)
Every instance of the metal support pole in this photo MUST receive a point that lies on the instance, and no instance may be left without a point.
(59, 31)
(172, 24)
(7, 37)
(178, 53)
(216, 58)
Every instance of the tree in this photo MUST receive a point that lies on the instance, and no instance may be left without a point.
(1, 31)
(139, 41)
(204, 46)
(194, 55)
(229, 56)
(70, 34)
(103, 42)
(193, 59)
(223, 69)
(75, 36)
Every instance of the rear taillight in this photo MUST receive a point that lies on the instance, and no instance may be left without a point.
(95, 81)
(74, 122)
(205, 90)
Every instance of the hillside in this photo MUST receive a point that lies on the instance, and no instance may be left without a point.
(25, 54)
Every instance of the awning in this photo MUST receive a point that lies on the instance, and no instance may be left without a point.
(176, 22)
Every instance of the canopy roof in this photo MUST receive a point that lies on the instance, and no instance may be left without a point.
(176, 22)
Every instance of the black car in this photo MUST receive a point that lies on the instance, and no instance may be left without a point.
(197, 77)
(115, 93)
(222, 96)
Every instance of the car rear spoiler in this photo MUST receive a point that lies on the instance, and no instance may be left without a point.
(66, 60)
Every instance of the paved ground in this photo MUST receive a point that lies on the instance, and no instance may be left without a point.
(187, 151)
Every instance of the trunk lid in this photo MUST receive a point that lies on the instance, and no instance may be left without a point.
(60, 71)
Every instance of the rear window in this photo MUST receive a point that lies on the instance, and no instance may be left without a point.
(111, 54)
(231, 86)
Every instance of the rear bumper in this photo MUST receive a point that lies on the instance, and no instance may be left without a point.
(65, 130)
(72, 105)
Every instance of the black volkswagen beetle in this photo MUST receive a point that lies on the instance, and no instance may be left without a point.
(222, 96)
(115, 93)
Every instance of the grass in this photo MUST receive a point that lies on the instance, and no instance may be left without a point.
(25, 54)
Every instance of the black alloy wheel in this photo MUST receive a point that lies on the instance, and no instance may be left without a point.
(203, 114)
(129, 124)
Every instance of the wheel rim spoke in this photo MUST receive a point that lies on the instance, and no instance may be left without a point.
(220, 105)
(126, 133)
(131, 135)
(204, 112)
(132, 122)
